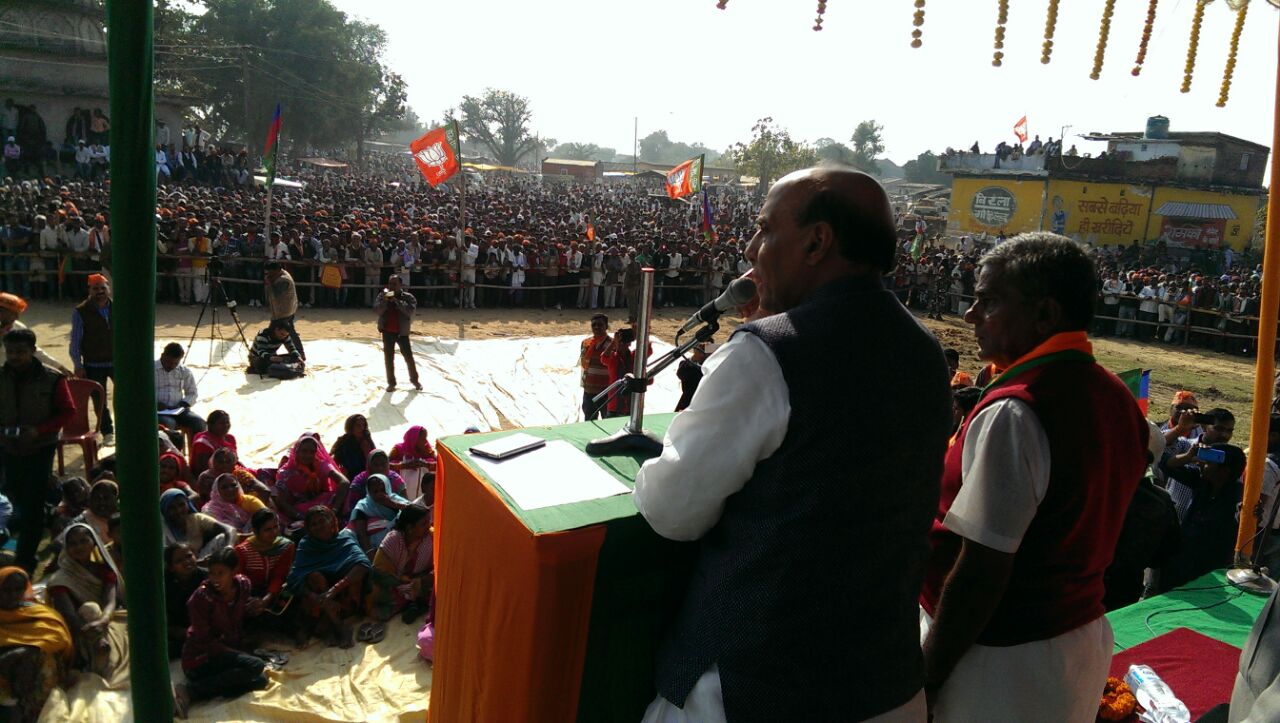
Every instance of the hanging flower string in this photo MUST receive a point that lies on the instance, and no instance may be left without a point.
(1002, 17)
(1231, 54)
(1146, 37)
(1050, 23)
(1101, 53)
(917, 21)
(822, 8)
(1196, 21)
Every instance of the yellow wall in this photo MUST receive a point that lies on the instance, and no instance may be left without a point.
(1238, 231)
(1018, 203)
(1098, 213)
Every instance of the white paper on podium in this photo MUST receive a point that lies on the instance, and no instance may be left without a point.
(556, 474)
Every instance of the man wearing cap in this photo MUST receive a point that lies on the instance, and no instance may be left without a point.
(802, 602)
(1034, 492)
(1209, 524)
(90, 348)
(11, 307)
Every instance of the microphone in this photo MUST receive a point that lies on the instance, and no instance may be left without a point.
(739, 292)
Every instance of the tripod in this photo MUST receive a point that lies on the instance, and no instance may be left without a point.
(211, 306)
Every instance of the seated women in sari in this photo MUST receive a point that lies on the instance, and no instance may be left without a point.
(85, 592)
(378, 463)
(213, 657)
(75, 500)
(402, 568)
(415, 460)
(309, 478)
(227, 461)
(374, 515)
(216, 437)
(181, 578)
(182, 524)
(104, 501)
(352, 449)
(265, 558)
(174, 475)
(327, 578)
(230, 505)
(35, 645)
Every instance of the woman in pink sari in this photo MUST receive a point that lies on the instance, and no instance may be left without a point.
(217, 436)
(308, 478)
(415, 460)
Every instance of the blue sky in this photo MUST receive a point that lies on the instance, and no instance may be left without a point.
(591, 66)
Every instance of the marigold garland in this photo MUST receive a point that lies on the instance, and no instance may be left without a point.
(1050, 24)
(1231, 54)
(822, 8)
(1146, 37)
(1103, 33)
(1196, 21)
(1002, 17)
(1117, 701)
(917, 21)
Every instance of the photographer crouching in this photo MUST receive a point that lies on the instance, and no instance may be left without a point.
(264, 356)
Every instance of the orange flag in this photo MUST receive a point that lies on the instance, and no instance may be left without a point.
(437, 154)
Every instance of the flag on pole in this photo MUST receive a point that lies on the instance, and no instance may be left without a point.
(708, 231)
(1139, 383)
(272, 151)
(591, 231)
(1020, 129)
(685, 178)
(437, 154)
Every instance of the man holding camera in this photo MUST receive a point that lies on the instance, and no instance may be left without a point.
(265, 357)
(1192, 431)
(395, 309)
(1208, 517)
(282, 301)
(35, 403)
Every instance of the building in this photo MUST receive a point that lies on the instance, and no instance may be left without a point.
(563, 169)
(1189, 190)
(55, 63)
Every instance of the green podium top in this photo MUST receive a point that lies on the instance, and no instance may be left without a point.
(575, 514)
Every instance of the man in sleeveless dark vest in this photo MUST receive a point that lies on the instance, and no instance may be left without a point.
(812, 537)
(35, 403)
(90, 348)
(1034, 492)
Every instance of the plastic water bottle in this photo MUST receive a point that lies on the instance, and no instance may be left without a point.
(1154, 695)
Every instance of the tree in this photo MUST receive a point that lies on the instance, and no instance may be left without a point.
(924, 169)
(828, 149)
(584, 152)
(499, 120)
(658, 148)
(867, 144)
(770, 154)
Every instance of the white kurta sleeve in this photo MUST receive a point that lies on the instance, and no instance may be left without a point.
(1005, 468)
(738, 417)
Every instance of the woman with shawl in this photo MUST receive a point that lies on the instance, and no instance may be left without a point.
(374, 515)
(230, 505)
(211, 440)
(104, 501)
(309, 478)
(327, 576)
(174, 475)
(35, 644)
(85, 592)
(227, 461)
(182, 524)
(352, 449)
(265, 558)
(402, 567)
(378, 463)
(415, 460)
(181, 578)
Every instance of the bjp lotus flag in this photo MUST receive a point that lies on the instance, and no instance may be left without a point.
(437, 154)
(1020, 130)
(591, 232)
(685, 178)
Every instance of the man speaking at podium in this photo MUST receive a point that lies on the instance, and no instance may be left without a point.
(812, 534)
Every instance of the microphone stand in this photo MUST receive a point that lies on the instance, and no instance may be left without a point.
(1251, 576)
(632, 438)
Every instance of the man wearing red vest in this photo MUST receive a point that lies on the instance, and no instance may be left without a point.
(1034, 493)
(595, 373)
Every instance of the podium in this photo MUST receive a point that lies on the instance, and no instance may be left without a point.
(551, 614)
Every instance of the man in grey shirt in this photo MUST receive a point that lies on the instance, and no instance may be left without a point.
(282, 300)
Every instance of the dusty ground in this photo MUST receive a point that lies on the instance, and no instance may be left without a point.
(1218, 379)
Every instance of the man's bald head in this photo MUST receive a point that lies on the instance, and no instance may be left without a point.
(856, 208)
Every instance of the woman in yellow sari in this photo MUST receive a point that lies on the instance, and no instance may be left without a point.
(35, 645)
(86, 593)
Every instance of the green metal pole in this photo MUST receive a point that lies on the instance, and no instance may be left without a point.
(133, 232)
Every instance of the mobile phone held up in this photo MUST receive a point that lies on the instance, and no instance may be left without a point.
(1208, 454)
(1202, 418)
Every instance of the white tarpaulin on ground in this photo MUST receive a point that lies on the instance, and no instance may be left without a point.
(490, 384)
